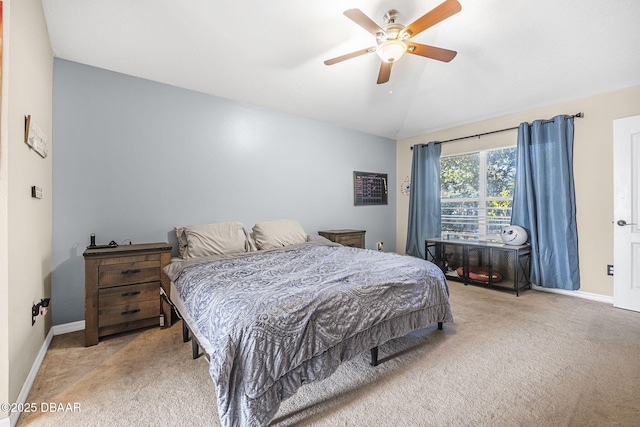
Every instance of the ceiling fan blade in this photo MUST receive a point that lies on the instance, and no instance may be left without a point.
(349, 56)
(357, 16)
(385, 72)
(438, 14)
(444, 55)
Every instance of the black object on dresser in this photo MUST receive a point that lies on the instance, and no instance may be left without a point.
(345, 237)
(492, 264)
(122, 288)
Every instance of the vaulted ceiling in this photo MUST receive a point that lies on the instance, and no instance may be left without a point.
(512, 55)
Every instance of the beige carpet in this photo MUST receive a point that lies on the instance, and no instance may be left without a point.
(540, 359)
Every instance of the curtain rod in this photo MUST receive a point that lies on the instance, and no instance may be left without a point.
(478, 135)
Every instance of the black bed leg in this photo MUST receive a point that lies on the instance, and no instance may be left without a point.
(374, 356)
(185, 331)
(439, 326)
(195, 351)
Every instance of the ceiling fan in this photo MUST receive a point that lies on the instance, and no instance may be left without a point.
(393, 39)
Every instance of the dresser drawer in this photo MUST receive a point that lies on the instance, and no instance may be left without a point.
(119, 295)
(117, 314)
(353, 240)
(128, 272)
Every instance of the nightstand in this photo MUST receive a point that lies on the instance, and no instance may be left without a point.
(347, 237)
(122, 288)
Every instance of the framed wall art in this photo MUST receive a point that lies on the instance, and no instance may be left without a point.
(35, 137)
(369, 188)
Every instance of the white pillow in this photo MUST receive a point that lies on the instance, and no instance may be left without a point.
(212, 239)
(276, 234)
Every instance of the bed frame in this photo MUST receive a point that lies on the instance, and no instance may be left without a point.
(195, 345)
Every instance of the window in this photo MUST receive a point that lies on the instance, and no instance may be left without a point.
(477, 193)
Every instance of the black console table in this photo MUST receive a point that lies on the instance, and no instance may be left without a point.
(482, 263)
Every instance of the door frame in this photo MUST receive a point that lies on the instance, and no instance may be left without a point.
(626, 239)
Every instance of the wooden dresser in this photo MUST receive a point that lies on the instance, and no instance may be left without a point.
(122, 288)
(353, 238)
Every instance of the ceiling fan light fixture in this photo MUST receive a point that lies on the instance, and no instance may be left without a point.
(391, 50)
(394, 40)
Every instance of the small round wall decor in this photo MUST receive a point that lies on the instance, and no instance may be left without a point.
(405, 187)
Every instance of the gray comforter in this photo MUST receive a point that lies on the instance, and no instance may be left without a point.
(273, 320)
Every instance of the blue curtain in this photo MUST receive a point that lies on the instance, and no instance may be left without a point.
(424, 198)
(544, 201)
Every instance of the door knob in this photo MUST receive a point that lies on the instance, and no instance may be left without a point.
(622, 223)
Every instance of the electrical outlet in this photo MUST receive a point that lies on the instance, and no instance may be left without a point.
(38, 309)
(609, 270)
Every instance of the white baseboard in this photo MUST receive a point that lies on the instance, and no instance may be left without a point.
(26, 388)
(68, 327)
(578, 294)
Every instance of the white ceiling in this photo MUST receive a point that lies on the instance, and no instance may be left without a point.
(512, 55)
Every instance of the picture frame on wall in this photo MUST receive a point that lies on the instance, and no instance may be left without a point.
(370, 188)
(35, 137)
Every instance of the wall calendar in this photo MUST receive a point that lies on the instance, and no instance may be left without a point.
(369, 188)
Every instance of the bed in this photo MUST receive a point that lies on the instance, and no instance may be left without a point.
(288, 311)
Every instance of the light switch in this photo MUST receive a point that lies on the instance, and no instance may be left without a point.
(36, 192)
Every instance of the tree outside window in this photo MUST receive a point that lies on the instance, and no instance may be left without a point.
(477, 193)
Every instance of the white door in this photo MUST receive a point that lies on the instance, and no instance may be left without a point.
(626, 210)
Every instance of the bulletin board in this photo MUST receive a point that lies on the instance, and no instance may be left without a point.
(369, 188)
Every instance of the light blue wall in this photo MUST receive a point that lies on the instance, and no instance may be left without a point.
(134, 158)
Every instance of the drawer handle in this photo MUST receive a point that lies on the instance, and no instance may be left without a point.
(128, 294)
(131, 311)
(134, 271)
